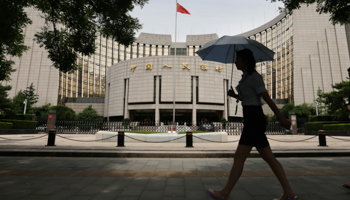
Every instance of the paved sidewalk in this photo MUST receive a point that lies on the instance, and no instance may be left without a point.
(82, 145)
(50, 178)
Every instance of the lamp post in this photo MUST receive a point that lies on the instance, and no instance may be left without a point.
(25, 106)
(316, 103)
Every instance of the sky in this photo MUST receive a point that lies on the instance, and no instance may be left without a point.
(224, 17)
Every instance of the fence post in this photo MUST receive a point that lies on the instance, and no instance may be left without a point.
(322, 138)
(51, 138)
(189, 139)
(121, 138)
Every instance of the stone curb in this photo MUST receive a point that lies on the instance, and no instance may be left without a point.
(143, 154)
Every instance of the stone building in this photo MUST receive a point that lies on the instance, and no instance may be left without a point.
(137, 81)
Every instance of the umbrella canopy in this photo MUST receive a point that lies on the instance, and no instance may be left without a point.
(224, 49)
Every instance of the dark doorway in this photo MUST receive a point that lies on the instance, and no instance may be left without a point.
(181, 116)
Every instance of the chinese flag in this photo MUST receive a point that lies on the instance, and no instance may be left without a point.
(181, 9)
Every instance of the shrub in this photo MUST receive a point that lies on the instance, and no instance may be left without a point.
(315, 126)
(341, 127)
(17, 116)
(5, 125)
(318, 118)
(21, 124)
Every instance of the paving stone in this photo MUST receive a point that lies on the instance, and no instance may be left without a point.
(88, 181)
(147, 195)
(132, 191)
(174, 191)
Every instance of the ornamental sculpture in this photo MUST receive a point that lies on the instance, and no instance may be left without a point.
(165, 65)
(133, 68)
(185, 66)
(218, 68)
(204, 67)
(149, 66)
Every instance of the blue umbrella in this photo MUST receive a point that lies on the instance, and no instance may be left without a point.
(224, 50)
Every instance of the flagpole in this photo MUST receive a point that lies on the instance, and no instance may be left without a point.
(174, 65)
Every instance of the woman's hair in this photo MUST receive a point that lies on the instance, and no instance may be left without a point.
(247, 56)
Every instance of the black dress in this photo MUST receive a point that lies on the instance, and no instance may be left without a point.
(254, 127)
(249, 89)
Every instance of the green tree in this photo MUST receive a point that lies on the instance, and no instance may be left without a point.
(305, 110)
(17, 102)
(301, 111)
(339, 10)
(336, 100)
(69, 31)
(12, 19)
(31, 97)
(42, 111)
(28, 94)
(5, 102)
(321, 106)
(286, 109)
(89, 114)
(64, 113)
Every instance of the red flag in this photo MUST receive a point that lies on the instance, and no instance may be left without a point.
(181, 9)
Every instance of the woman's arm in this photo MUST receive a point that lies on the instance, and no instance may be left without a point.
(274, 108)
(232, 93)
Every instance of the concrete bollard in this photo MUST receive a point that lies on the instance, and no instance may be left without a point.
(51, 138)
(322, 138)
(189, 139)
(121, 138)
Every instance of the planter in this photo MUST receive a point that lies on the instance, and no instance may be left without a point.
(330, 132)
(17, 131)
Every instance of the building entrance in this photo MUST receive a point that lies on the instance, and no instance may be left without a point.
(181, 116)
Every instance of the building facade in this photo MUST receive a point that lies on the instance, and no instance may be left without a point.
(311, 54)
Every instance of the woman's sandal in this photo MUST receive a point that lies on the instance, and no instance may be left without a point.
(211, 193)
(288, 198)
(346, 185)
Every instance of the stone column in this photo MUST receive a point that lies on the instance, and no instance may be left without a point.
(157, 114)
(194, 103)
(126, 111)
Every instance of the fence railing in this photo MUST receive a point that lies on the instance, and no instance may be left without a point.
(91, 127)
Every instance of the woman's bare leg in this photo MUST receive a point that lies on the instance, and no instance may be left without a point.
(267, 155)
(241, 155)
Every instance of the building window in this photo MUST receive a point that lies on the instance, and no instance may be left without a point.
(179, 51)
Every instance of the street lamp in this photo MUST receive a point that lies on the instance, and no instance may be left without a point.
(25, 106)
(316, 103)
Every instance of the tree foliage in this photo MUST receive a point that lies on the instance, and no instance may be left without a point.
(31, 97)
(5, 102)
(89, 114)
(42, 111)
(301, 111)
(17, 101)
(28, 94)
(336, 101)
(70, 28)
(12, 19)
(64, 113)
(339, 10)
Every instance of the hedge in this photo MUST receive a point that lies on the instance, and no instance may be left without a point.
(321, 118)
(340, 127)
(20, 124)
(5, 125)
(17, 116)
(315, 126)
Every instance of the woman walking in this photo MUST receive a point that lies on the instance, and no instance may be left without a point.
(250, 88)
